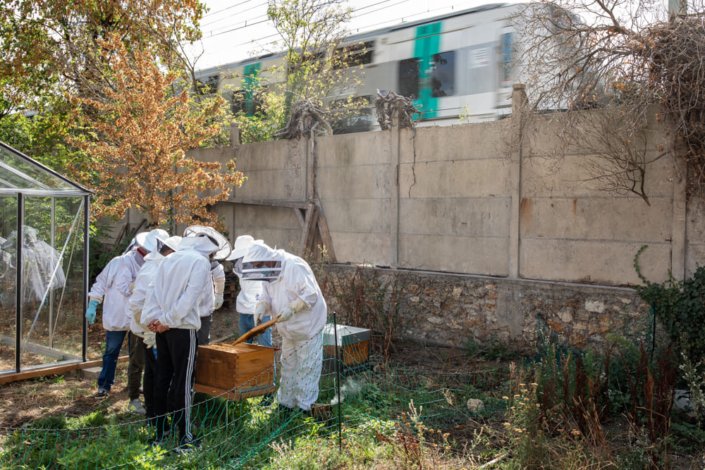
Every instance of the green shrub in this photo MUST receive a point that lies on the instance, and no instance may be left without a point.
(680, 308)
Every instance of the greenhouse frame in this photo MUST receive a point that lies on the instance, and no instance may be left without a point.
(43, 279)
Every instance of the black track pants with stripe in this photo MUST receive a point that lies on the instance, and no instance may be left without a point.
(176, 362)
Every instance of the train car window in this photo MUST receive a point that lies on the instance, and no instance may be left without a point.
(249, 103)
(208, 85)
(314, 59)
(506, 62)
(443, 74)
(239, 104)
(409, 78)
(352, 115)
(354, 55)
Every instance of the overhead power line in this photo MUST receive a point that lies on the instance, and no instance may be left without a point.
(227, 8)
(352, 18)
(235, 14)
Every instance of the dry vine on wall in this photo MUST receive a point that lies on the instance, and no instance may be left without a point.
(603, 71)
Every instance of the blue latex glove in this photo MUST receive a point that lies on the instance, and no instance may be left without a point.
(90, 313)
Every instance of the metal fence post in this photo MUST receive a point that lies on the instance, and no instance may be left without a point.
(337, 382)
(86, 274)
(19, 242)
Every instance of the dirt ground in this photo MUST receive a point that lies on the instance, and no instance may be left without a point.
(23, 402)
(68, 394)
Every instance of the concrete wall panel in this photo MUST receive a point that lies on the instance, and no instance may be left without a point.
(469, 178)
(362, 182)
(599, 262)
(358, 215)
(361, 248)
(487, 256)
(695, 232)
(275, 225)
(273, 184)
(452, 143)
(628, 219)
(276, 155)
(460, 217)
(571, 177)
(370, 148)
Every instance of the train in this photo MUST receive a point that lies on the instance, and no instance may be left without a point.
(459, 66)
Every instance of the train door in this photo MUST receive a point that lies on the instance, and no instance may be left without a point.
(250, 83)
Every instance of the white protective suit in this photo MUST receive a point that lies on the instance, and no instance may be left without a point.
(112, 286)
(302, 338)
(178, 285)
(206, 304)
(250, 291)
(140, 291)
(40, 263)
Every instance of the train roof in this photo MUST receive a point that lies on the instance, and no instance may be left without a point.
(361, 37)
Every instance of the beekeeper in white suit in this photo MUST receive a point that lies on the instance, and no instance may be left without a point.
(212, 298)
(171, 311)
(250, 305)
(142, 286)
(113, 287)
(291, 290)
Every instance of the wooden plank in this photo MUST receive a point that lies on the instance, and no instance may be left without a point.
(304, 234)
(38, 349)
(256, 331)
(300, 217)
(312, 234)
(53, 370)
(266, 202)
(326, 238)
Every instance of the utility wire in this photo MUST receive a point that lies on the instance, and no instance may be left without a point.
(352, 18)
(235, 14)
(227, 8)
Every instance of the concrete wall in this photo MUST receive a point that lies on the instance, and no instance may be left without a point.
(461, 199)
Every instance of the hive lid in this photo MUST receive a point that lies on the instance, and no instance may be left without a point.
(346, 335)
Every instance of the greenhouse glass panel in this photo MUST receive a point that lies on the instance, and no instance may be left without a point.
(43, 265)
(8, 280)
(34, 175)
(53, 291)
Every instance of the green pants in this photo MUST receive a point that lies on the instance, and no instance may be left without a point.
(134, 370)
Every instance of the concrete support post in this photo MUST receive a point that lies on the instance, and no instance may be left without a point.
(310, 168)
(234, 143)
(234, 134)
(394, 159)
(678, 228)
(518, 107)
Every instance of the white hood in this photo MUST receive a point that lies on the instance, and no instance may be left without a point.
(200, 244)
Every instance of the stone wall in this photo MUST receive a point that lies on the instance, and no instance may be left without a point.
(450, 309)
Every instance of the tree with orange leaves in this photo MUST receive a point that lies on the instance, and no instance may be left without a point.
(139, 133)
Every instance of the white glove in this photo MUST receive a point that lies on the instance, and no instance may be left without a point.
(218, 301)
(260, 311)
(150, 339)
(285, 314)
(293, 307)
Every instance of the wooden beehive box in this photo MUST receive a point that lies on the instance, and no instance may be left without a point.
(354, 344)
(238, 371)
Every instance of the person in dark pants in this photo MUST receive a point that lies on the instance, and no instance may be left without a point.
(171, 311)
(142, 286)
